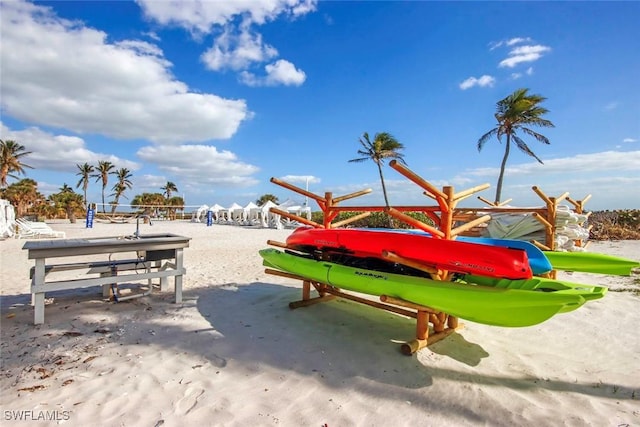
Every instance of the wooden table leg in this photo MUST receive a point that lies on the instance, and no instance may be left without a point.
(178, 279)
(37, 298)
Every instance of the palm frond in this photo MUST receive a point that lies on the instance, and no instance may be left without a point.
(525, 148)
(484, 138)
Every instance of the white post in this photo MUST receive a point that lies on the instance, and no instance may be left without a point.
(306, 198)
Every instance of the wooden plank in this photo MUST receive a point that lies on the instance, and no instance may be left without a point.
(96, 281)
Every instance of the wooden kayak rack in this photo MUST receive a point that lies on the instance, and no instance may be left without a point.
(443, 324)
(443, 215)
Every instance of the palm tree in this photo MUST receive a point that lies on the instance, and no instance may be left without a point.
(384, 146)
(176, 203)
(149, 202)
(85, 172)
(23, 195)
(514, 113)
(11, 154)
(169, 188)
(265, 198)
(120, 187)
(68, 201)
(102, 172)
(65, 188)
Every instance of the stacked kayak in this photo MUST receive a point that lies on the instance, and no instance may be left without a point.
(543, 262)
(482, 299)
(492, 280)
(451, 255)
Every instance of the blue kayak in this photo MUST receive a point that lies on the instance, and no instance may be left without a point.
(538, 261)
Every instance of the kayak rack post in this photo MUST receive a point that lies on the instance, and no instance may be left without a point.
(443, 324)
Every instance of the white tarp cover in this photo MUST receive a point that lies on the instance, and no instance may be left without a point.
(524, 226)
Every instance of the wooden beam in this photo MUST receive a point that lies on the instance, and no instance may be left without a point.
(294, 217)
(296, 189)
(414, 222)
(416, 179)
(469, 192)
(350, 220)
(469, 225)
(390, 256)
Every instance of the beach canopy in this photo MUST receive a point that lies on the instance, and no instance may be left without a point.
(7, 219)
(200, 214)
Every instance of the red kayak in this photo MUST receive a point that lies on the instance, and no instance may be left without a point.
(450, 255)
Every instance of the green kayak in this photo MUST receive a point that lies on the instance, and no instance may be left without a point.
(498, 302)
(541, 284)
(589, 262)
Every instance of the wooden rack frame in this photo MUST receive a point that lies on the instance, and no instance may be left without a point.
(443, 324)
(443, 215)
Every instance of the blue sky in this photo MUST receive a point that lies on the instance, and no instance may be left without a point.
(220, 96)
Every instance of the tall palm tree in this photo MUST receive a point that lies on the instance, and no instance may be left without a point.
(102, 172)
(170, 187)
(384, 146)
(11, 154)
(514, 113)
(85, 172)
(120, 187)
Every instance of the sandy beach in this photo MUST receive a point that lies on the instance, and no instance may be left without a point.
(233, 353)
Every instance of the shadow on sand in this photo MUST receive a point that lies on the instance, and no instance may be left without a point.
(341, 344)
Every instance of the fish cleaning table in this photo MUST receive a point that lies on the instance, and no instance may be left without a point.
(155, 256)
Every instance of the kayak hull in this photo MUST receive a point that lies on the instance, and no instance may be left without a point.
(537, 260)
(450, 255)
(491, 305)
(589, 262)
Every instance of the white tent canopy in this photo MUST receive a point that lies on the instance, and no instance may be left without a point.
(215, 210)
(7, 219)
(200, 214)
(268, 219)
(249, 215)
(254, 215)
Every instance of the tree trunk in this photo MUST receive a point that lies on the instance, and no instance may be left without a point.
(71, 214)
(384, 192)
(503, 166)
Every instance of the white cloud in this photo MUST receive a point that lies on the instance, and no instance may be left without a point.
(59, 152)
(202, 15)
(281, 72)
(63, 74)
(201, 164)
(528, 53)
(629, 140)
(483, 81)
(237, 47)
(237, 51)
(611, 106)
(517, 40)
(509, 42)
(614, 161)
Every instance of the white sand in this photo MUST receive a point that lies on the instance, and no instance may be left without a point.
(234, 354)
